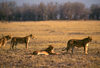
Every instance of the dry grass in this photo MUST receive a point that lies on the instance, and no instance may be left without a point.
(56, 33)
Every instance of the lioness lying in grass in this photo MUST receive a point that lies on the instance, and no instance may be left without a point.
(47, 51)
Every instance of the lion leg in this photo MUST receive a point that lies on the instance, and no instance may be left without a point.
(68, 46)
(72, 49)
(15, 46)
(3, 44)
(86, 49)
(67, 49)
(0, 45)
(12, 47)
(54, 53)
(26, 45)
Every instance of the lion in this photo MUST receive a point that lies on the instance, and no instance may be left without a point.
(79, 43)
(21, 40)
(47, 51)
(4, 40)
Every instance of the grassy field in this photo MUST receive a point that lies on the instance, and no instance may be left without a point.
(55, 33)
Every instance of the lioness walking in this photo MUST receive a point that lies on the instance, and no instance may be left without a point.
(21, 40)
(79, 43)
(4, 40)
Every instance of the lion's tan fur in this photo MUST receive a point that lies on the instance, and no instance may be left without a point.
(48, 51)
(16, 40)
(79, 43)
(4, 40)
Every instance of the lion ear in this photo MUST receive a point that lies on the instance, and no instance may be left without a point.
(50, 45)
(10, 35)
(30, 34)
(88, 36)
(2, 35)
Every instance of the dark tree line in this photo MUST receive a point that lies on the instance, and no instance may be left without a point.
(9, 11)
(95, 12)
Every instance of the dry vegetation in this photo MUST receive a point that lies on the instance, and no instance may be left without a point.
(56, 33)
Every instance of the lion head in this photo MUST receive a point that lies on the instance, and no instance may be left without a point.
(49, 49)
(8, 37)
(89, 38)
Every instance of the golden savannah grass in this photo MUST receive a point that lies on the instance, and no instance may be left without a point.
(56, 33)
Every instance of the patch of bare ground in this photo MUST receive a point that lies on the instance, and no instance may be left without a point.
(24, 58)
